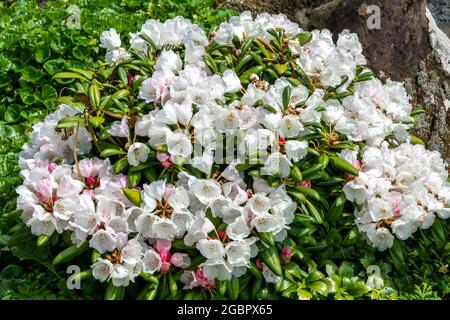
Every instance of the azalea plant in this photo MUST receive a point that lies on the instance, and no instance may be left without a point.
(220, 165)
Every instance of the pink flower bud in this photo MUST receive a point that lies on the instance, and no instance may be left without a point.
(52, 166)
(358, 165)
(305, 183)
(90, 180)
(286, 254)
(281, 139)
(167, 164)
(165, 256)
(165, 267)
(259, 263)
(222, 234)
(130, 78)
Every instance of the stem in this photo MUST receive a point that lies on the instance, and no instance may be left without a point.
(75, 153)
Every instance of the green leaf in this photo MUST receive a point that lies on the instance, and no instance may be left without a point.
(72, 102)
(133, 195)
(54, 66)
(32, 74)
(346, 270)
(48, 92)
(5, 64)
(68, 75)
(111, 152)
(81, 53)
(42, 54)
(70, 122)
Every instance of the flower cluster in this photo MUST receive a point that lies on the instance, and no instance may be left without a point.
(197, 152)
(398, 191)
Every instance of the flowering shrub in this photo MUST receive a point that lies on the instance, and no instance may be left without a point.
(206, 160)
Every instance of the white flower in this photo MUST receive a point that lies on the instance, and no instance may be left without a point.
(216, 269)
(277, 164)
(169, 61)
(152, 261)
(205, 190)
(101, 270)
(137, 153)
(233, 84)
(120, 129)
(156, 88)
(198, 229)
(164, 228)
(296, 150)
(290, 127)
(178, 144)
(117, 56)
(211, 249)
(110, 40)
(102, 241)
(259, 203)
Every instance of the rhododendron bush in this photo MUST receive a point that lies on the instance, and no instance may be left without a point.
(200, 165)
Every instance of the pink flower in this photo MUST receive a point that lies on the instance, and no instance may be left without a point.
(162, 245)
(44, 191)
(162, 156)
(180, 260)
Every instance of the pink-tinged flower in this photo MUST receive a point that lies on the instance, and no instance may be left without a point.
(44, 191)
(162, 245)
(51, 167)
(202, 280)
(286, 254)
(358, 165)
(162, 156)
(121, 179)
(281, 139)
(180, 260)
(305, 183)
(396, 207)
(249, 193)
(170, 190)
(193, 279)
